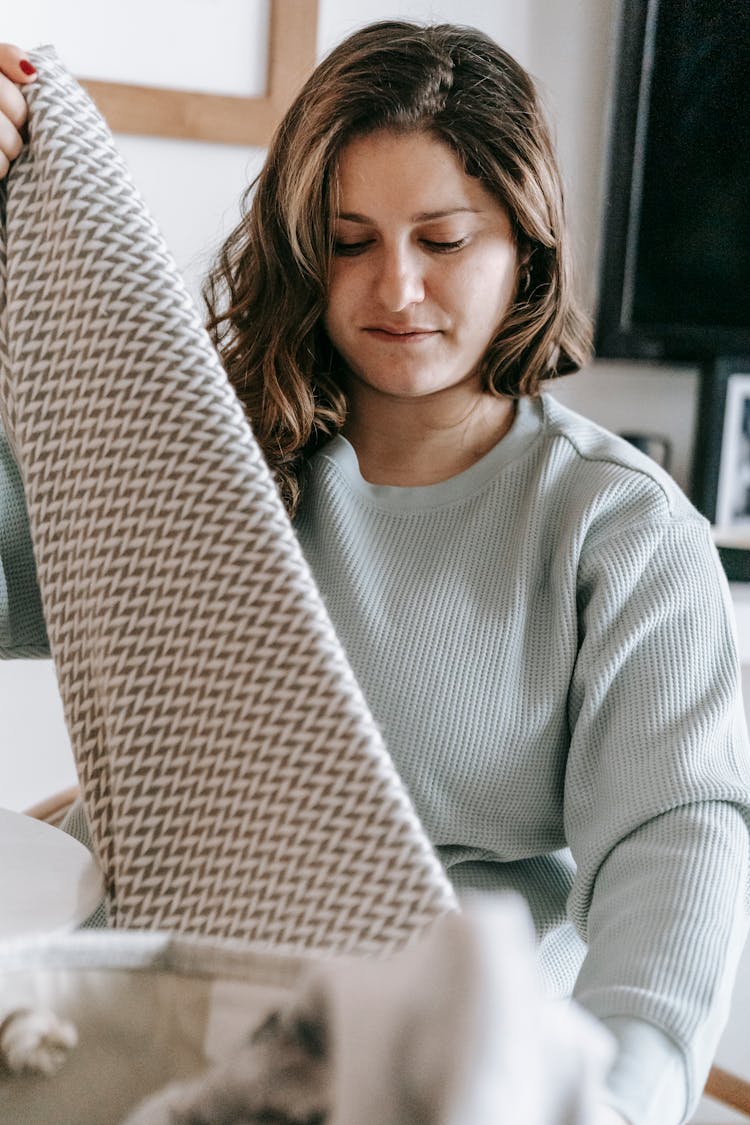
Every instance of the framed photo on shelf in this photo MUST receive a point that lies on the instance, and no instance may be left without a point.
(721, 463)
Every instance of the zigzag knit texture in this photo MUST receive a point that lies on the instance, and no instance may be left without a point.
(234, 780)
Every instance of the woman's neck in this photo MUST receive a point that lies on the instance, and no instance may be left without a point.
(413, 443)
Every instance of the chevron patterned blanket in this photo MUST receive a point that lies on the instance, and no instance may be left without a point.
(234, 781)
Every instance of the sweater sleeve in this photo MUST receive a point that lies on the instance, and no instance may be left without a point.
(657, 794)
(22, 628)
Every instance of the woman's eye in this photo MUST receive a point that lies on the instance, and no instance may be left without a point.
(444, 247)
(350, 249)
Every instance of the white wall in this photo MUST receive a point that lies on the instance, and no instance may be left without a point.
(193, 190)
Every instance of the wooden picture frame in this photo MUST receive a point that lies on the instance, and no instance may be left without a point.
(721, 463)
(190, 115)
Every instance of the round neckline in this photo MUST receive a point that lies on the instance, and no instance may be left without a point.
(340, 453)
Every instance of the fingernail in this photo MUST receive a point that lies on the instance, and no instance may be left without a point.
(27, 68)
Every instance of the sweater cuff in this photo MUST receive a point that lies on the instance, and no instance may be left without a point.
(647, 1082)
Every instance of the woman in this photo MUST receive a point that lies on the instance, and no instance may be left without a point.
(535, 613)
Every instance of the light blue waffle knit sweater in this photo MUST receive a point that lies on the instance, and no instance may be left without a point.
(546, 642)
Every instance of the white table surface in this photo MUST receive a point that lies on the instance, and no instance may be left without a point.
(48, 881)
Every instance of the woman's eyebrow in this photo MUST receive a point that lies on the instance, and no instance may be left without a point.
(422, 217)
(426, 216)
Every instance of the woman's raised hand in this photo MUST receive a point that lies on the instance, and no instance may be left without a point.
(15, 71)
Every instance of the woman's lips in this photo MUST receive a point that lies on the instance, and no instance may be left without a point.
(401, 335)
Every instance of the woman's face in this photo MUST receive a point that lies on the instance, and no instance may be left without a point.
(424, 268)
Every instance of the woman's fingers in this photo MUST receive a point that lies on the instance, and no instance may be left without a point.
(12, 102)
(12, 118)
(15, 65)
(10, 138)
(15, 70)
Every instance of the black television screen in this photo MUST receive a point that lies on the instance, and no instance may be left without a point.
(675, 278)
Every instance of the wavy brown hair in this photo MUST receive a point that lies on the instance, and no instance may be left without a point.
(267, 291)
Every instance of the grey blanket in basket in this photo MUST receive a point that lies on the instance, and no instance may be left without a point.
(233, 778)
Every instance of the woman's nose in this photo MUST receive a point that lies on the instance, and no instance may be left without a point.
(400, 280)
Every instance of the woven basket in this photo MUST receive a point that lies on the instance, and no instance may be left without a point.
(148, 1008)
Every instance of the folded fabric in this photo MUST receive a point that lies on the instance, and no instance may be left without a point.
(454, 1030)
(232, 776)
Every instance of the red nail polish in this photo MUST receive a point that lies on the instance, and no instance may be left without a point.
(27, 68)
